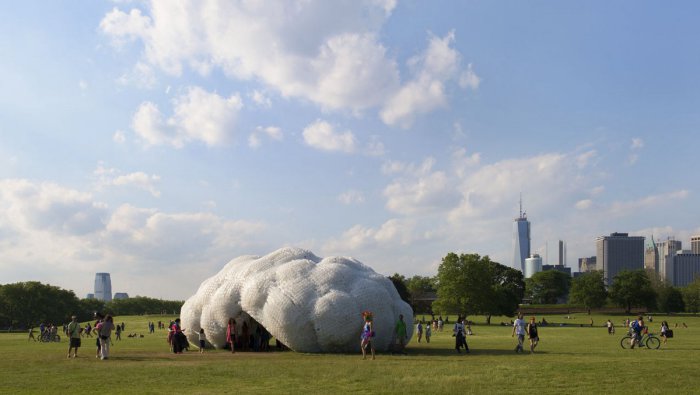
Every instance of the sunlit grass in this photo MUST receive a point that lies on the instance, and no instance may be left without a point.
(568, 360)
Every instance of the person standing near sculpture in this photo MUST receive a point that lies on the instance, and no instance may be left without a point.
(401, 334)
(419, 330)
(104, 336)
(231, 334)
(519, 329)
(428, 332)
(367, 335)
(74, 333)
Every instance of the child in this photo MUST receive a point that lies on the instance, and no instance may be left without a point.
(202, 340)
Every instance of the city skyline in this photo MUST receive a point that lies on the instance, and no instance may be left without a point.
(149, 139)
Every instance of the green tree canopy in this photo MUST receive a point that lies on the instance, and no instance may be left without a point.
(589, 290)
(27, 304)
(548, 286)
(632, 288)
(399, 282)
(670, 299)
(471, 284)
(691, 296)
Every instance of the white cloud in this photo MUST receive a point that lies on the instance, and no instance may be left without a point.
(392, 232)
(119, 137)
(113, 177)
(420, 190)
(141, 76)
(272, 132)
(322, 135)
(469, 79)
(306, 49)
(621, 208)
(83, 85)
(426, 91)
(583, 204)
(585, 158)
(261, 99)
(197, 116)
(351, 197)
(62, 235)
(636, 145)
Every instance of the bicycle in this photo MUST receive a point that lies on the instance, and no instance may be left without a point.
(648, 340)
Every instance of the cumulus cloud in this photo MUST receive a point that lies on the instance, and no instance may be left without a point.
(301, 49)
(420, 190)
(308, 303)
(322, 135)
(271, 132)
(358, 237)
(114, 177)
(57, 233)
(426, 91)
(197, 116)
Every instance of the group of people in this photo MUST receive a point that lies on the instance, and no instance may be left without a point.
(521, 329)
(104, 325)
(244, 337)
(638, 329)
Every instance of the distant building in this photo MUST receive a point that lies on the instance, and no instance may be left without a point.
(562, 253)
(121, 295)
(695, 244)
(103, 287)
(667, 250)
(533, 265)
(521, 240)
(651, 255)
(90, 296)
(619, 252)
(561, 268)
(587, 264)
(685, 268)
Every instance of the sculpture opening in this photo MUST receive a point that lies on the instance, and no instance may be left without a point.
(307, 303)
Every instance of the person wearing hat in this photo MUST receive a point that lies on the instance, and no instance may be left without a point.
(74, 333)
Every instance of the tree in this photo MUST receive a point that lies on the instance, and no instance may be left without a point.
(548, 286)
(471, 284)
(588, 289)
(691, 296)
(27, 304)
(670, 299)
(399, 282)
(632, 288)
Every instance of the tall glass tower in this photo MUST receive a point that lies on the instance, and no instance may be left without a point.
(521, 239)
(103, 287)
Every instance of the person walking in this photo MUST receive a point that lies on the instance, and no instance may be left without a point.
(73, 332)
(519, 329)
(367, 335)
(105, 333)
(31, 334)
(401, 335)
(419, 330)
(458, 333)
(428, 333)
(532, 334)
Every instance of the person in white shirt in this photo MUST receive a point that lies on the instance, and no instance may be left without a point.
(459, 336)
(519, 329)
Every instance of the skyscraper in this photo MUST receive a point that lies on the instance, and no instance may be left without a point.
(618, 252)
(667, 250)
(695, 244)
(651, 255)
(562, 253)
(521, 240)
(103, 287)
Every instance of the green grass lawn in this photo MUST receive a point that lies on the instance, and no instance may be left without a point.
(568, 360)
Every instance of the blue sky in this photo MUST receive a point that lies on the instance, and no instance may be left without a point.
(157, 141)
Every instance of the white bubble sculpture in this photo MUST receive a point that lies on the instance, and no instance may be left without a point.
(308, 303)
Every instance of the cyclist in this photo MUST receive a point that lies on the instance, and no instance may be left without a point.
(636, 329)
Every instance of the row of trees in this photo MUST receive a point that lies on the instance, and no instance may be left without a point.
(27, 304)
(471, 284)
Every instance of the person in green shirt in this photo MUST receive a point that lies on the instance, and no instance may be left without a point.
(400, 332)
(74, 333)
